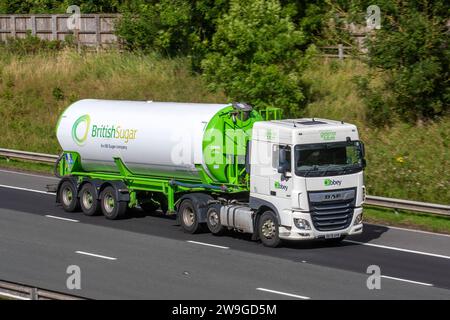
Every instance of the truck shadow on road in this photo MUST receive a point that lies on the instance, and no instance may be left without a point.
(371, 232)
(136, 213)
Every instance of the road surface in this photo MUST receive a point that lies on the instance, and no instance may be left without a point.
(149, 257)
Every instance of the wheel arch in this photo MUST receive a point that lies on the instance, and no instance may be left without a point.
(200, 201)
(95, 182)
(120, 188)
(260, 206)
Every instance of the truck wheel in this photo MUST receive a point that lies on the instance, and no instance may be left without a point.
(188, 216)
(90, 205)
(213, 220)
(112, 208)
(68, 197)
(268, 230)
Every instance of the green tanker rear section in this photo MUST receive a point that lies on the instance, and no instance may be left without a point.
(225, 146)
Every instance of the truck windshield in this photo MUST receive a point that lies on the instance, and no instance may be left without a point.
(327, 159)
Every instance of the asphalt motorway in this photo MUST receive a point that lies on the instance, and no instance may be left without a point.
(150, 257)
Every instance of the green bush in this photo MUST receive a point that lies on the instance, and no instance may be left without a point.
(162, 26)
(412, 48)
(255, 56)
(54, 6)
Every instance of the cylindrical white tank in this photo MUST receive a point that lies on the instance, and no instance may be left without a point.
(156, 137)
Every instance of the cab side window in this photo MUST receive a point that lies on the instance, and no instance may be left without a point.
(281, 154)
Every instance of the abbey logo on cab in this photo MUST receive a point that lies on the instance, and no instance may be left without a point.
(332, 182)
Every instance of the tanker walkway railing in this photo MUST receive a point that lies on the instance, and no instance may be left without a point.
(438, 209)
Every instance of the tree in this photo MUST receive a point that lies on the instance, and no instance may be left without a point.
(255, 56)
(163, 26)
(412, 47)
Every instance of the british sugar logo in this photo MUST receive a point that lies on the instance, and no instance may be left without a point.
(80, 129)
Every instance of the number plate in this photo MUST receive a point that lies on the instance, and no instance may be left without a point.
(332, 235)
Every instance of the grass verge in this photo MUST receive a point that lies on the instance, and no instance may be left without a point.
(24, 166)
(407, 219)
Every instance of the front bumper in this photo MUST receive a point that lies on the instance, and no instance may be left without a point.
(293, 233)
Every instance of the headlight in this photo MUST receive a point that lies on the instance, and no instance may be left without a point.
(358, 219)
(302, 224)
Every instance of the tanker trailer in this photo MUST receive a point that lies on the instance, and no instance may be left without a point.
(216, 166)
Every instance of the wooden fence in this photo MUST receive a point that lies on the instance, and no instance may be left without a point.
(96, 30)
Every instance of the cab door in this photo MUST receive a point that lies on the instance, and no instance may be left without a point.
(281, 179)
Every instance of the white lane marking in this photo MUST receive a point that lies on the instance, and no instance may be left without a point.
(409, 281)
(209, 245)
(26, 189)
(284, 293)
(60, 218)
(12, 296)
(411, 230)
(399, 249)
(29, 174)
(95, 255)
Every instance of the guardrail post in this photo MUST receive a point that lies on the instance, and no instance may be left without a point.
(341, 51)
(34, 294)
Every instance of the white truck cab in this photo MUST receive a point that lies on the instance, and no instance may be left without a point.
(309, 172)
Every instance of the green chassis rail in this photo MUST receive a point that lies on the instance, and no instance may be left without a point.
(164, 185)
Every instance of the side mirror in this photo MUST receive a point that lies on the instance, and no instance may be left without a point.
(282, 169)
(364, 163)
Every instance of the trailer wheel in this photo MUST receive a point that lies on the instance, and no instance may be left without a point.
(188, 217)
(268, 230)
(213, 220)
(89, 203)
(112, 208)
(68, 197)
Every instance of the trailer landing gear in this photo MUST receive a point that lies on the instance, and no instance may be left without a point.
(68, 196)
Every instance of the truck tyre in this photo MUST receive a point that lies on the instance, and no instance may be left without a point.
(268, 230)
(68, 197)
(112, 208)
(89, 203)
(213, 220)
(188, 217)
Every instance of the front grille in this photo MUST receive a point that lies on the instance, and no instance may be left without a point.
(332, 210)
